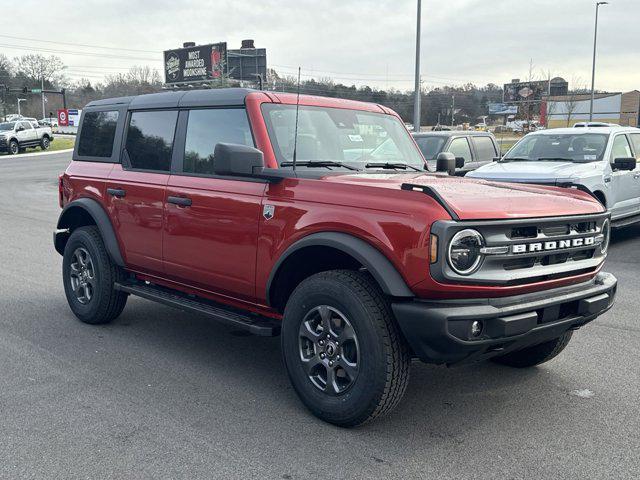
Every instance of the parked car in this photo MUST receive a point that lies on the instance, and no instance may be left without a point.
(594, 124)
(258, 211)
(49, 122)
(15, 137)
(601, 160)
(471, 149)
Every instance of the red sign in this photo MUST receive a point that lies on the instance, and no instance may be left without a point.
(63, 118)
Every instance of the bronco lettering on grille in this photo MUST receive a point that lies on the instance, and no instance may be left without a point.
(553, 245)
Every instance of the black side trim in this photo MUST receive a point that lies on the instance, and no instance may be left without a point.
(100, 217)
(433, 193)
(372, 259)
(255, 324)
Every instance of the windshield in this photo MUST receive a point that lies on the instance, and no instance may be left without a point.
(578, 147)
(353, 138)
(7, 126)
(430, 146)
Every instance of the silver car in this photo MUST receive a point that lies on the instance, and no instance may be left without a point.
(602, 160)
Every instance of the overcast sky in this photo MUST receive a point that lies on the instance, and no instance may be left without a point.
(354, 42)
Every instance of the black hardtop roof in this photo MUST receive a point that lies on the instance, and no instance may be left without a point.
(450, 133)
(178, 98)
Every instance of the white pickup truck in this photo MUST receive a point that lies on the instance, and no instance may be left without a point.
(17, 136)
(602, 160)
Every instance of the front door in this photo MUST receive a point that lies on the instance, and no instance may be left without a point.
(624, 183)
(136, 189)
(211, 222)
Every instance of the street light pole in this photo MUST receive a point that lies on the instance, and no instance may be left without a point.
(593, 65)
(416, 104)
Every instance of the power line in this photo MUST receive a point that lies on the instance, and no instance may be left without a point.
(78, 44)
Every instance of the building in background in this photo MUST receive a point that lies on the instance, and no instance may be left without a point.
(559, 111)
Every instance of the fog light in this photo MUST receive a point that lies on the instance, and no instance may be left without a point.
(476, 328)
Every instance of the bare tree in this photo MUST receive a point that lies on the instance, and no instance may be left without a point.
(38, 67)
(573, 98)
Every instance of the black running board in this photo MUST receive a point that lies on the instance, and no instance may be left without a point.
(623, 222)
(255, 324)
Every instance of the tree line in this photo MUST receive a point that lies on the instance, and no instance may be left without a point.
(32, 71)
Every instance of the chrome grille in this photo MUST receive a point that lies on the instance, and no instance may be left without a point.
(529, 250)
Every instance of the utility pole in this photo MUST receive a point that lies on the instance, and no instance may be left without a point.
(593, 65)
(453, 110)
(42, 94)
(416, 102)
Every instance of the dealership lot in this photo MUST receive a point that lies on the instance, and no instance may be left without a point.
(163, 393)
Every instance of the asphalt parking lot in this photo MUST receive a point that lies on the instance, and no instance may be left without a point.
(164, 394)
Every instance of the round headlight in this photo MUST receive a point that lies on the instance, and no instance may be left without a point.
(606, 234)
(464, 251)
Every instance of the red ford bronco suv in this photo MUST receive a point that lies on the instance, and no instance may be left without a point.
(316, 219)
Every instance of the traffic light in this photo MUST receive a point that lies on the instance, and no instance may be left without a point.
(24, 89)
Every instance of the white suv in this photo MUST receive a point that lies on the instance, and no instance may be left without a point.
(602, 160)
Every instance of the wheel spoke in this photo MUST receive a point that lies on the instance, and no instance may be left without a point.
(347, 333)
(332, 386)
(75, 271)
(351, 369)
(308, 333)
(325, 319)
(311, 363)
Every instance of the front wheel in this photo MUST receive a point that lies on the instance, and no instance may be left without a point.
(14, 147)
(537, 354)
(89, 276)
(45, 143)
(343, 350)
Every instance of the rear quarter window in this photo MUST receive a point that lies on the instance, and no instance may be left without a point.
(97, 134)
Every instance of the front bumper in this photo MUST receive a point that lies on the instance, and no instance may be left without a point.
(440, 331)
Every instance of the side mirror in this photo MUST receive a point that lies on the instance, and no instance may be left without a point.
(19, 129)
(446, 162)
(237, 160)
(497, 159)
(459, 162)
(624, 164)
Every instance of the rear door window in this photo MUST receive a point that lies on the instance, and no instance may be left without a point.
(207, 128)
(485, 149)
(150, 139)
(635, 141)
(621, 148)
(97, 134)
(460, 148)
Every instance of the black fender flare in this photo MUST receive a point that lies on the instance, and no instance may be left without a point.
(376, 263)
(102, 221)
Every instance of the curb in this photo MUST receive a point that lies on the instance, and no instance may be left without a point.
(36, 154)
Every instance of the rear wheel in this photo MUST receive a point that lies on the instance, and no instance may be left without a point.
(89, 275)
(344, 353)
(535, 355)
(45, 143)
(14, 147)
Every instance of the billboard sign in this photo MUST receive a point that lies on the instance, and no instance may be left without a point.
(502, 109)
(525, 91)
(247, 63)
(195, 64)
(63, 118)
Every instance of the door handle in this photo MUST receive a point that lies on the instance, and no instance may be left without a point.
(180, 201)
(116, 192)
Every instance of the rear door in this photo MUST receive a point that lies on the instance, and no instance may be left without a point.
(485, 150)
(136, 188)
(211, 230)
(624, 183)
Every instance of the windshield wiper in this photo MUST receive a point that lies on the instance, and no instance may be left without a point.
(394, 166)
(556, 159)
(319, 164)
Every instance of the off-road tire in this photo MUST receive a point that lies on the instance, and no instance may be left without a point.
(14, 147)
(384, 357)
(106, 303)
(45, 143)
(535, 355)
